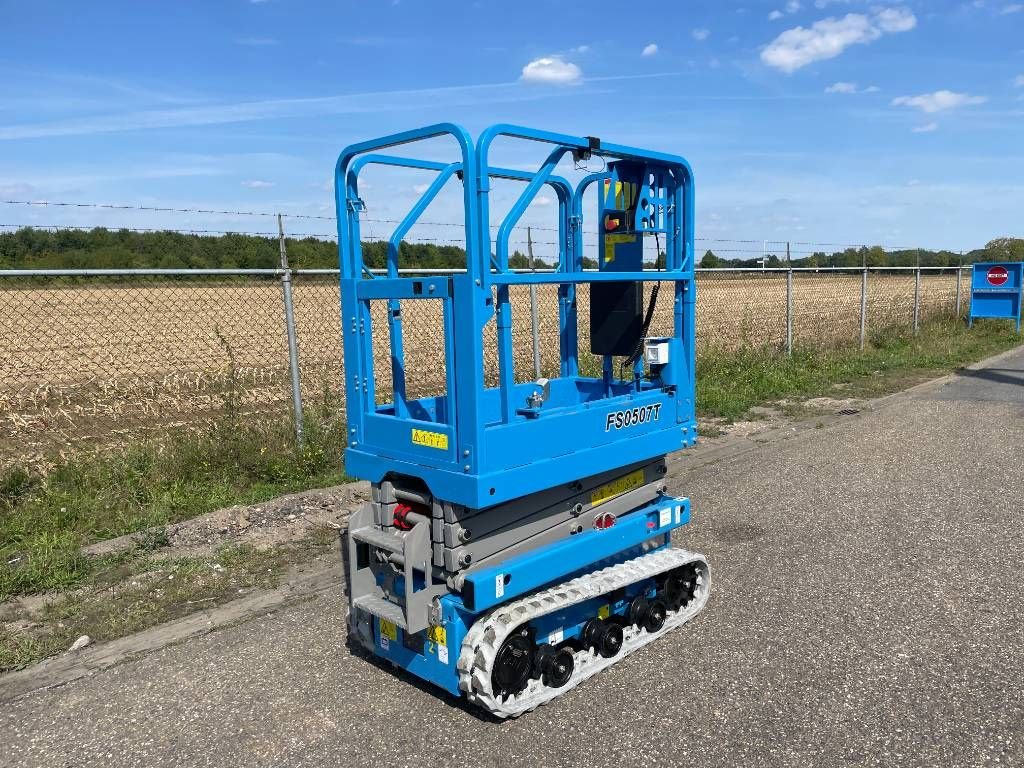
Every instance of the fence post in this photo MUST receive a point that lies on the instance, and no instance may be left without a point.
(864, 308)
(789, 311)
(289, 323)
(534, 317)
(917, 299)
(959, 275)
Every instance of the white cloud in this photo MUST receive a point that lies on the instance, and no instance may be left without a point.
(419, 189)
(842, 88)
(828, 38)
(1011, 8)
(939, 101)
(1018, 81)
(580, 49)
(700, 34)
(649, 50)
(542, 200)
(926, 128)
(551, 70)
(894, 20)
(257, 184)
(792, 6)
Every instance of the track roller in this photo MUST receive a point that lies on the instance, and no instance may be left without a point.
(554, 666)
(605, 637)
(648, 614)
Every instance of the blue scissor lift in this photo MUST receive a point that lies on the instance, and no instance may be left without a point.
(518, 537)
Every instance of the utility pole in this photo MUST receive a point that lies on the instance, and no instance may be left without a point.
(289, 322)
(789, 302)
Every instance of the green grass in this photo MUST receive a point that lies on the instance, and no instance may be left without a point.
(730, 383)
(46, 519)
(141, 591)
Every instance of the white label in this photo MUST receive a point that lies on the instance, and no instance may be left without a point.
(556, 636)
(384, 642)
(499, 585)
(442, 654)
(665, 517)
(679, 514)
(632, 417)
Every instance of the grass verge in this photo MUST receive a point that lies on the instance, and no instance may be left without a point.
(45, 520)
(136, 591)
(730, 383)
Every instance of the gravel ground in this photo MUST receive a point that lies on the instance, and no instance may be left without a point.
(867, 609)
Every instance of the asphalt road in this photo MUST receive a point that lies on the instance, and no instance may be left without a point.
(867, 609)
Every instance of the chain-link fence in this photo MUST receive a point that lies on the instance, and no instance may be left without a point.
(94, 359)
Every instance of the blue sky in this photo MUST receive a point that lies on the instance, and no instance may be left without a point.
(821, 120)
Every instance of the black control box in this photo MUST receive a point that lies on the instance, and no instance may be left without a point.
(616, 317)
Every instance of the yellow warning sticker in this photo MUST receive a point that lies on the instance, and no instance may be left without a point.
(388, 630)
(610, 241)
(437, 635)
(618, 486)
(430, 439)
(604, 611)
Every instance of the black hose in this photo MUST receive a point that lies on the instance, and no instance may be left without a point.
(648, 318)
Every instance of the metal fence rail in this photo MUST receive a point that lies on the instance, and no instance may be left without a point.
(98, 358)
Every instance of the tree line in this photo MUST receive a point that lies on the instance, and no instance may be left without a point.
(101, 248)
(1000, 249)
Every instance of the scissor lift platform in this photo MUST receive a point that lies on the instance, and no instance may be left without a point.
(495, 492)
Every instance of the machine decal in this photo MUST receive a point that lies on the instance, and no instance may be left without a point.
(616, 487)
(388, 632)
(437, 634)
(610, 241)
(664, 517)
(437, 440)
(437, 638)
(631, 417)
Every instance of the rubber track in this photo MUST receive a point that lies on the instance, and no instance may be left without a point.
(484, 638)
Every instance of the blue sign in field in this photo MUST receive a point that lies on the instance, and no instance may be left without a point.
(996, 291)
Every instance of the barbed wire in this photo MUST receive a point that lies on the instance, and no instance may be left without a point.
(795, 247)
(65, 227)
(160, 209)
